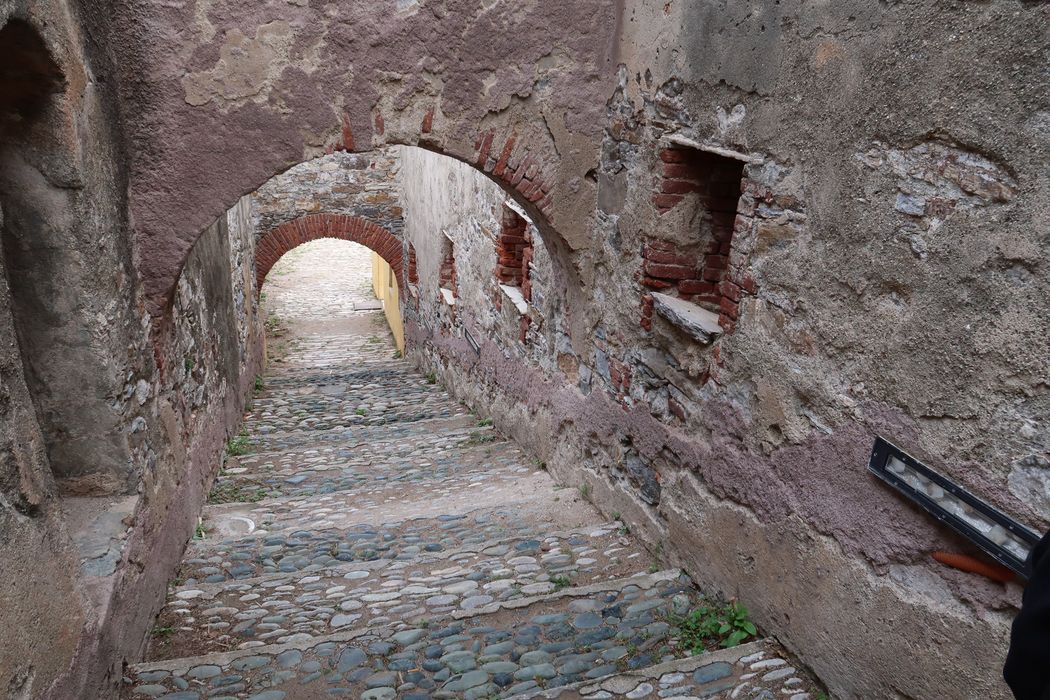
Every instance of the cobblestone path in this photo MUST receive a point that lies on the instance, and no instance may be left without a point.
(370, 538)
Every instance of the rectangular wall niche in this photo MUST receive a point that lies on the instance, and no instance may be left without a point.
(447, 274)
(514, 250)
(413, 268)
(704, 187)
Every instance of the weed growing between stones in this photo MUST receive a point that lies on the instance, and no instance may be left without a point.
(432, 378)
(708, 626)
(260, 384)
(479, 438)
(238, 445)
(560, 582)
(274, 325)
(236, 493)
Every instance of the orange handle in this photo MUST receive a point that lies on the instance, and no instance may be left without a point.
(963, 562)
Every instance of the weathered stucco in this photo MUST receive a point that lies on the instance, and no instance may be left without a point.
(881, 270)
(461, 77)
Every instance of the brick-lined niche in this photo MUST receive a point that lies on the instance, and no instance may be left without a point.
(413, 271)
(514, 251)
(699, 271)
(447, 275)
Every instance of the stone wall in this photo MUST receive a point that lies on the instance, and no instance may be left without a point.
(362, 185)
(881, 277)
(717, 380)
(107, 442)
(456, 216)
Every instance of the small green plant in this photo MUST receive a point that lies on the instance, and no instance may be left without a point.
(259, 383)
(585, 492)
(201, 532)
(397, 355)
(361, 412)
(163, 632)
(432, 378)
(239, 445)
(711, 625)
(624, 529)
(189, 363)
(484, 422)
(230, 492)
(654, 567)
(616, 515)
(479, 438)
(561, 581)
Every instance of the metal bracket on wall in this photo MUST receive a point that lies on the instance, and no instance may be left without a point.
(1001, 537)
(472, 343)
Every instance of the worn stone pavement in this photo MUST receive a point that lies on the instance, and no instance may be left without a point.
(368, 537)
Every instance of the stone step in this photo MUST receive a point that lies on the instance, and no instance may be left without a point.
(759, 670)
(401, 593)
(302, 439)
(271, 434)
(349, 373)
(336, 351)
(380, 384)
(318, 411)
(421, 439)
(385, 501)
(502, 650)
(459, 462)
(240, 542)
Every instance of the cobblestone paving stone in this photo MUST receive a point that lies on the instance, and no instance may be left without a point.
(403, 593)
(374, 466)
(378, 541)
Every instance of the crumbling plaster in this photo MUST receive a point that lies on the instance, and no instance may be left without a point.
(897, 292)
(446, 75)
(894, 235)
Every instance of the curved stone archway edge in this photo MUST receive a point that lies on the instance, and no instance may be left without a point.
(196, 149)
(278, 241)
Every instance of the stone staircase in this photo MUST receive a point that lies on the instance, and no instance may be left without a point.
(375, 540)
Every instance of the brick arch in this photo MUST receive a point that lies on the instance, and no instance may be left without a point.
(289, 235)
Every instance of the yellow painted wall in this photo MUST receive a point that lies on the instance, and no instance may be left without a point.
(384, 283)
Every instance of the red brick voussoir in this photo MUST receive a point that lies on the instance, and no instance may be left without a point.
(278, 241)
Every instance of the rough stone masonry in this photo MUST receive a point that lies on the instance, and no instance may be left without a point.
(757, 234)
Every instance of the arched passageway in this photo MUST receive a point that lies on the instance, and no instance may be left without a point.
(371, 536)
(275, 243)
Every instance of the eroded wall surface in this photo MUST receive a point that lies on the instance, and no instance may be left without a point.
(882, 276)
(854, 194)
(107, 441)
(363, 185)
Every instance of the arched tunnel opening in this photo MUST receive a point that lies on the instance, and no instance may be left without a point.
(360, 475)
(419, 350)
